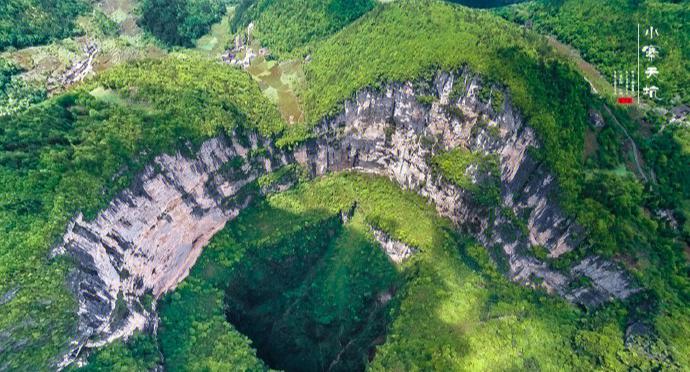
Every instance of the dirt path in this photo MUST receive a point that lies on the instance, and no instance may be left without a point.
(601, 87)
(598, 82)
(635, 150)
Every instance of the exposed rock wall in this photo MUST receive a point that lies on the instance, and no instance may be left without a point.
(392, 134)
(147, 239)
(396, 250)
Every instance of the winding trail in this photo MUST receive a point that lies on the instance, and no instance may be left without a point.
(599, 85)
(635, 150)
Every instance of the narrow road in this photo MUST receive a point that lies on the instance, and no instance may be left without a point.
(599, 85)
(632, 143)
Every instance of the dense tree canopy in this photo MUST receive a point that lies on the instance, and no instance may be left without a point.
(284, 25)
(180, 22)
(606, 34)
(31, 22)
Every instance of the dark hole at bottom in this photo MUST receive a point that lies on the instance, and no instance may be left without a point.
(314, 304)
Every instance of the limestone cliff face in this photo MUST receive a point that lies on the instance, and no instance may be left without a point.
(147, 239)
(392, 134)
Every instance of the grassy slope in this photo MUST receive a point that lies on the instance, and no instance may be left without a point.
(61, 156)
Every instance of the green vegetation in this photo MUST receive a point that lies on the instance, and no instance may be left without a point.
(75, 152)
(180, 22)
(454, 166)
(100, 25)
(30, 22)
(214, 43)
(284, 25)
(293, 299)
(485, 3)
(287, 273)
(139, 353)
(605, 32)
(488, 94)
(15, 93)
(452, 310)
(388, 44)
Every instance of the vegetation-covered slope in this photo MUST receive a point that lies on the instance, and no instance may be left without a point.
(606, 34)
(31, 22)
(180, 22)
(451, 308)
(284, 25)
(15, 93)
(485, 3)
(74, 153)
(389, 44)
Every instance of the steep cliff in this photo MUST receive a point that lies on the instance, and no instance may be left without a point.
(391, 133)
(148, 237)
(146, 240)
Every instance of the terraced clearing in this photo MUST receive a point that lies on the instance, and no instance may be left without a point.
(280, 81)
(218, 39)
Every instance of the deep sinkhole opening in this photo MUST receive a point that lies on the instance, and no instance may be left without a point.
(319, 300)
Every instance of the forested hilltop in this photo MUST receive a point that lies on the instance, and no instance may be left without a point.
(284, 25)
(31, 22)
(319, 261)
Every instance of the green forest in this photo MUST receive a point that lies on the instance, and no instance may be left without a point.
(605, 32)
(180, 22)
(284, 25)
(298, 280)
(30, 22)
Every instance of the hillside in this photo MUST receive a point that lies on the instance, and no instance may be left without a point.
(286, 25)
(606, 34)
(75, 152)
(31, 22)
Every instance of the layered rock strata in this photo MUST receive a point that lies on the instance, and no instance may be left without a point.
(147, 238)
(391, 133)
